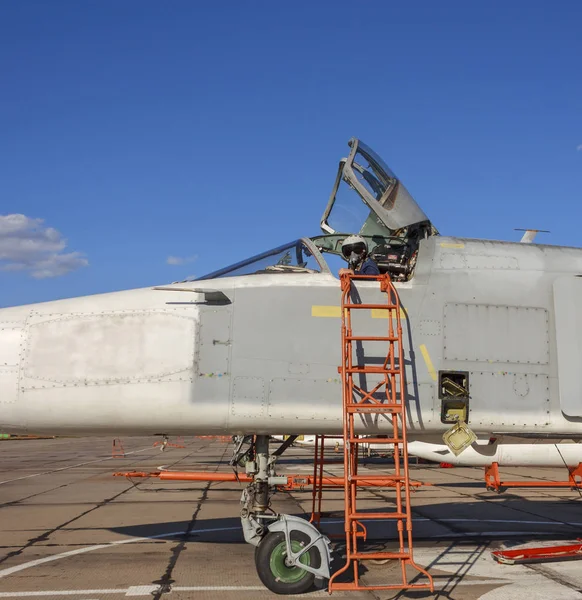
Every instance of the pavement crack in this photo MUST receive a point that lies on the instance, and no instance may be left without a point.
(43, 537)
(166, 580)
(548, 573)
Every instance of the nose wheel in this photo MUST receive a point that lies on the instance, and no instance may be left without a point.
(290, 552)
(276, 571)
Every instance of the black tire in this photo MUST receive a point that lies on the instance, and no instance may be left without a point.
(294, 580)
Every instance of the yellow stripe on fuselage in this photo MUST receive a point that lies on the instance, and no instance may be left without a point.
(326, 311)
(452, 245)
(336, 312)
(428, 362)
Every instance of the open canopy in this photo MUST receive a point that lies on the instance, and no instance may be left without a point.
(367, 199)
(381, 204)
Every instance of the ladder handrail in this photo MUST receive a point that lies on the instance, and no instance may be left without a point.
(393, 372)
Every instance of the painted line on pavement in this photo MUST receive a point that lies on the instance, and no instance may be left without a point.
(133, 590)
(71, 467)
(40, 561)
(53, 557)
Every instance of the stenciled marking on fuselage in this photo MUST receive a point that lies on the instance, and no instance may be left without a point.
(428, 362)
(336, 312)
(451, 245)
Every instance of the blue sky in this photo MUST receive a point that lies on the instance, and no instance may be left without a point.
(142, 130)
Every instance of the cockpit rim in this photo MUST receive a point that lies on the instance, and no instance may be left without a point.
(324, 267)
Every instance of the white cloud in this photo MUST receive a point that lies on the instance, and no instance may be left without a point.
(579, 147)
(181, 260)
(26, 244)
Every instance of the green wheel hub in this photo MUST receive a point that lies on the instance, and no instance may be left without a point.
(280, 570)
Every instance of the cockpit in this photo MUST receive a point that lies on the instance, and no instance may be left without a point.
(367, 199)
(300, 256)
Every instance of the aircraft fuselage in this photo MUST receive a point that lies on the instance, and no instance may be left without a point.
(151, 361)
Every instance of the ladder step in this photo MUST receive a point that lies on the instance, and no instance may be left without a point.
(386, 397)
(381, 370)
(372, 306)
(375, 516)
(353, 586)
(363, 338)
(375, 408)
(377, 440)
(377, 477)
(380, 555)
(370, 277)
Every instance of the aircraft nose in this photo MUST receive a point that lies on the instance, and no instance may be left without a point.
(11, 344)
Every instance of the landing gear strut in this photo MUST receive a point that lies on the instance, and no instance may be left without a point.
(290, 553)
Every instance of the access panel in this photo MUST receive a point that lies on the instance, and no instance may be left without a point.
(568, 307)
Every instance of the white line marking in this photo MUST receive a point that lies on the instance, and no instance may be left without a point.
(142, 590)
(70, 467)
(244, 588)
(58, 593)
(230, 588)
(46, 559)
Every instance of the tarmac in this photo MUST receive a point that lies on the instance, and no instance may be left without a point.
(69, 529)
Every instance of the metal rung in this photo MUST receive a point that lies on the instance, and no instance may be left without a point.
(359, 276)
(358, 586)
(363, 338)
(378, 408)
(380, 555)
(377, 477)
(372, 306)
(376, 440)
(387, 397)
(381, 370)
(375, 516)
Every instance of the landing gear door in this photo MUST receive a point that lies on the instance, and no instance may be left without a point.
(381, 205)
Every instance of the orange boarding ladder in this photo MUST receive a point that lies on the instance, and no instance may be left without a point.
(386, 398)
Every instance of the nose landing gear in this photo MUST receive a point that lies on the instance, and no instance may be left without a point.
(290, 552)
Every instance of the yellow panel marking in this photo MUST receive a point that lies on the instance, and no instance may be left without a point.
(336, 312)
(326, 311)
(451, 245)
(428, 361)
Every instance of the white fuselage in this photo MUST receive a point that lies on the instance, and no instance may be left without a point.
(266, 361)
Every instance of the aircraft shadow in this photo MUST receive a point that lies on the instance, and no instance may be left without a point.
(492, 518)
(459, 532)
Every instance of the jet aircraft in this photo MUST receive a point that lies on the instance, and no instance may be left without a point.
(492, 336)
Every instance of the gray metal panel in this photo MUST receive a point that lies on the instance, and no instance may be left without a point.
(483, 261)
(461, 260)
(11, 339)
(568, 307)
(285, 394)
(503, 399)
(8, 385)
(452, 260)
(496, 334)
(214, 346)
(11, 349)
(421, 404)
(248, 397)
(109, 347)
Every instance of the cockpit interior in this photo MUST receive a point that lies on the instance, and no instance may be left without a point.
(367, 199)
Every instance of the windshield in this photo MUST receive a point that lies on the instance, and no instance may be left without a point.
(296, 257)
